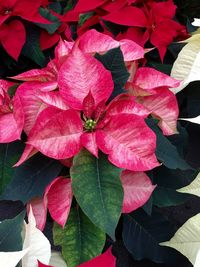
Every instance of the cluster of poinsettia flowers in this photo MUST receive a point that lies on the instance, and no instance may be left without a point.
(144, 21)
(69, 105)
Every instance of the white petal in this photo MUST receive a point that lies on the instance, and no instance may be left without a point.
(196, 22)
(57, 259)
(11, 259)
(194, 120)
(187, 65)
(187, 239)
(40, 248)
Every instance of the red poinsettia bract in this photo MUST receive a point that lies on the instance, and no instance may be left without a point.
(13, 29)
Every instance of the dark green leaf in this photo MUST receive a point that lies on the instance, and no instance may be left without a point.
(10, 233)
(168, 181)
(166, 152)
(31, 48)
(50, 28)
(142, 235)
(56, 7)
(96, 183)
(84, 17)
(31, 178)
(113, 61)
(80, 240)
(9, 155)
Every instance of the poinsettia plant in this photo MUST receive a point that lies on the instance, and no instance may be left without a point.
(92, 148)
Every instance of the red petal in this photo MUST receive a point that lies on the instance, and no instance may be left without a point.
(59, 137)
(88, 140)
(59, 196)
(88, 105)
(40, 264)
(84, 6)
(80, 74)
(29, 10)
(114, 5)
(163, 106)
(48, 40)
(14, 28)
(104, 260)
(137, 190)
(128, 16)
(160, 40)
(164, 10)
(129, 143)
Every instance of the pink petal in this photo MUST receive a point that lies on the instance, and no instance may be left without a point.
(39, 208)
(95, 42)
(128, 16)
(88, 140)
(129, 143)
(90, 76)
(59, 196)
(125, 104)
(104, 260)
(11, 124)
(32, 105)
(149, 78)
(29, 151)
(137, 190)
(163, 106)
(52, 99)
(131, 50)
(62, 51)
(5, 85)
(59, 137)
(35, 75)
(8, 128)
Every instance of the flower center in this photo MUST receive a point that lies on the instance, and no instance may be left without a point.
(90, 124)
(7, 11)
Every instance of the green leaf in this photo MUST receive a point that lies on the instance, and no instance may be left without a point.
(10, 233)
(31, 178)
(32, 49)
(84, 17)
(56, 7)
(9, 155)
(166, 152)
(113, 61)
(50, 28)
(168, 181)
(80, 240)
(142, 235)
(97, 187)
